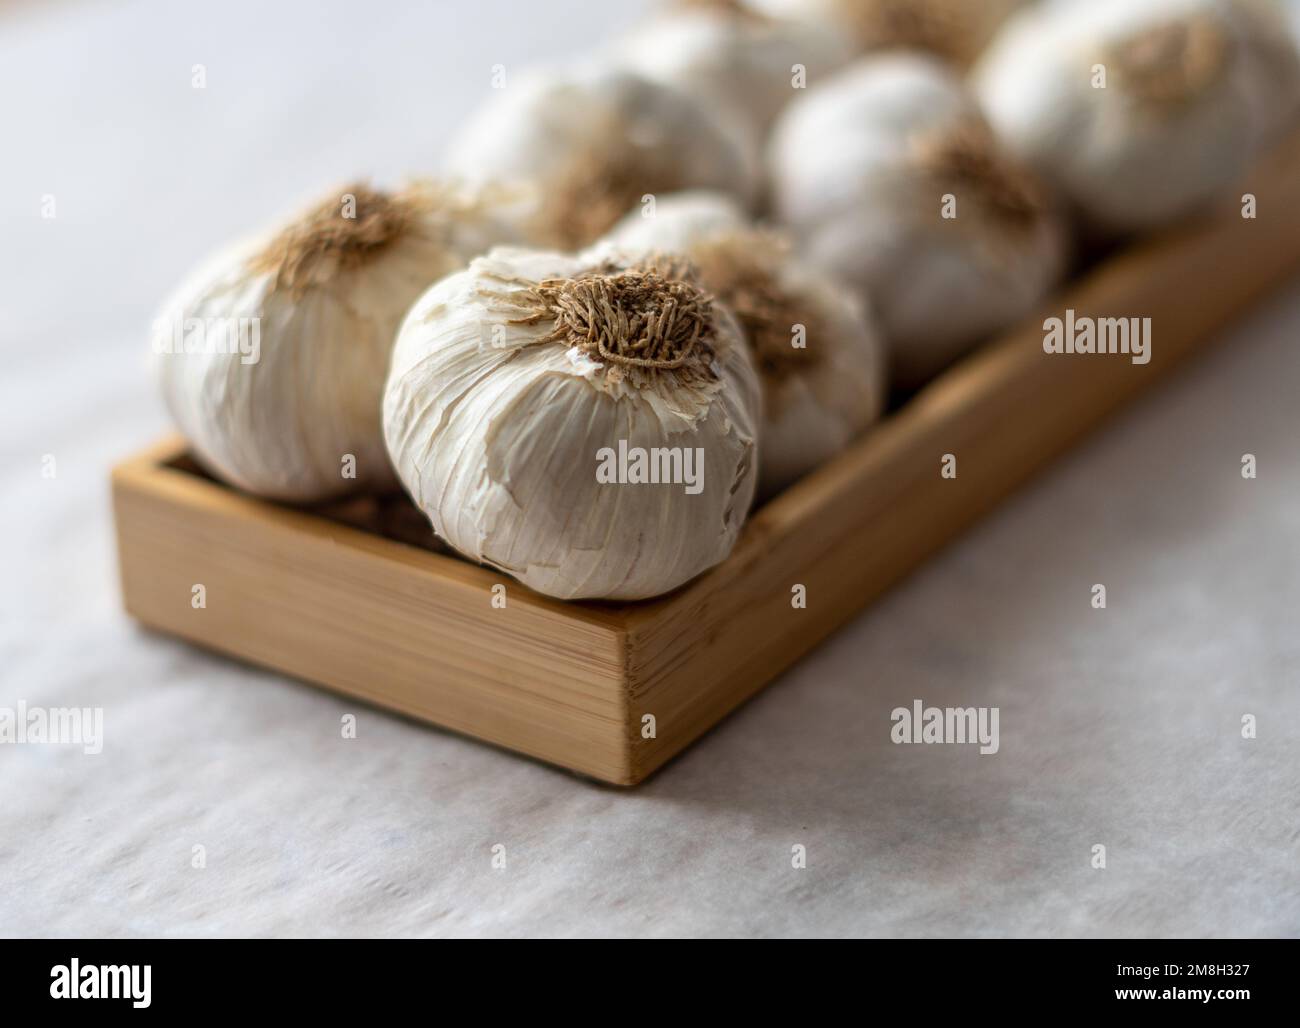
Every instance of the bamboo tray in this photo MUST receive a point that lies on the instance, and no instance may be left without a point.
(336, 597)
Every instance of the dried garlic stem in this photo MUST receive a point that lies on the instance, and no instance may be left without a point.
(324, 242)
(638, 317)
(602, 187)
(965, 161)
(743, 271)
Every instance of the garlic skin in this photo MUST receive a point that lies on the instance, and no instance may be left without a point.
(1194, 90)
(592, 141)
(675, 221)
(817, 397)
(741, 62)
(864, 170)
(956, 30)
(328, 292)
(496, 419)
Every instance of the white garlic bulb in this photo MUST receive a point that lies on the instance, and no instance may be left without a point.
(818, 356)
(956, 30)
(272, 357)
(592, 141)
(744, 63)
(673, 222)
(1140, 112)
(891, 180)
(587, 428)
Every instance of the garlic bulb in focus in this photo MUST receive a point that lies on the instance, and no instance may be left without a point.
(736, 59)
(816, 350)
(272, 357)
(956, 30)
(1193, 89)
(592, 142)
(587, 428)
(892, 181)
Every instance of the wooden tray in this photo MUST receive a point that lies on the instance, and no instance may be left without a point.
(337, 597)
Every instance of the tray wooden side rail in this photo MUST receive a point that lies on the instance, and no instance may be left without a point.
(418, 632)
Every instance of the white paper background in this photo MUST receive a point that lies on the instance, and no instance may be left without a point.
(1118, 727)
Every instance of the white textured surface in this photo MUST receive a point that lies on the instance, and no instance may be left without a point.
(1118, 727)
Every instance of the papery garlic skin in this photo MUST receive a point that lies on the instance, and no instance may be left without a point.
(675, 221)
(592, 141)
(496, 431)
(819, 396)
(1194, 90)
(745, 64)
(864, 170)
(815, 414)
(298, 419)
(955, 30)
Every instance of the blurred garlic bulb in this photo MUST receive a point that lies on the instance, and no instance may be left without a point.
(587, 428)
(272, 357)
(892, 181)
(673, 222)
(956, 30)
(742, 62)
(1193, 89)
(818, 357)
(592, 142)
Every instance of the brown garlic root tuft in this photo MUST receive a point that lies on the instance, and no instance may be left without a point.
(965, 161)
(647, 317)
(1170, 63)
(743, 271)
(323, 242)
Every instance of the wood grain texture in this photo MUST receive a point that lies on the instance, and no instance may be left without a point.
(381, 620)
(570, 683)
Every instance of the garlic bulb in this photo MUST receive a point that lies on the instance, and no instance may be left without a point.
(956, 30)
(586, 427)
(272, 357)
(891, 180)
(816, 350)
(1141, 112)
(744, 63)
(592, 142)
(672, 223)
